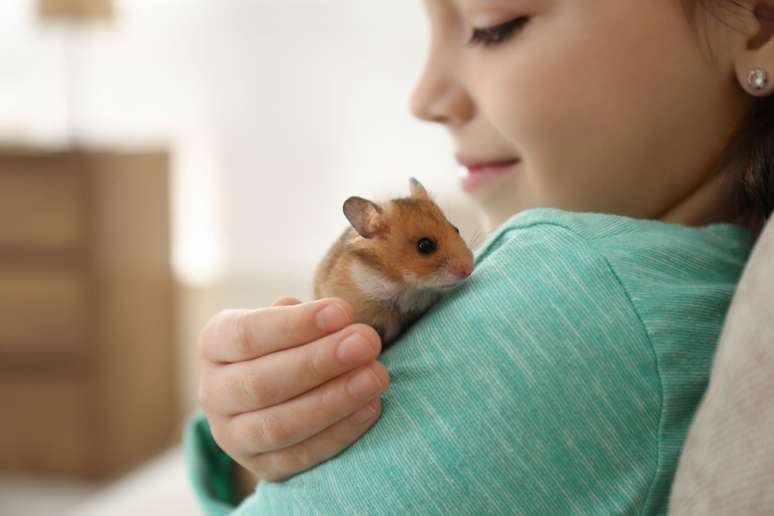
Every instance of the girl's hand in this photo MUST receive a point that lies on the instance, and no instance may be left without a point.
(289, 386)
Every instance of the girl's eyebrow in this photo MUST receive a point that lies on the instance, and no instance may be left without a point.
(435, 6)
(456, 8)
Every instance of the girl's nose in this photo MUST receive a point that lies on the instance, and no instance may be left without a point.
(439, 97)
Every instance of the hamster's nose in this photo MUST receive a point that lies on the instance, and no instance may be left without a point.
(462, 271)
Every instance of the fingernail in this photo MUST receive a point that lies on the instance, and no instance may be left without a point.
(365, 383)
(331, 318)
(354, 349)
(364, 414)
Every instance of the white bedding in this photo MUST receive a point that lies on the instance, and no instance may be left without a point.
(158, 488)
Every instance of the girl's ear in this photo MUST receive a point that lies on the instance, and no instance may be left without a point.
(755, 62)
(417, 190)
(366, 217)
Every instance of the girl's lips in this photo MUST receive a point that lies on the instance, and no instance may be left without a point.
(474, 167)
(479, 175)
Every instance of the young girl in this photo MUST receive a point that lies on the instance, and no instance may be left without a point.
(622, 153)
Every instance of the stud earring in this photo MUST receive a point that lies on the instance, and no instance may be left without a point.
(757, 79)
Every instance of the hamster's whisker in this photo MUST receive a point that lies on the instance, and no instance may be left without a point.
(475, 239)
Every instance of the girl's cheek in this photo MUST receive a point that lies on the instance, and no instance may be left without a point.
(553, 121)
(531, 111)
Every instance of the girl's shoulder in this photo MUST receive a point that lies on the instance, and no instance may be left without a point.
(627, 244)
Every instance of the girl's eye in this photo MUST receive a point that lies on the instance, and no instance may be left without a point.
(498, 34)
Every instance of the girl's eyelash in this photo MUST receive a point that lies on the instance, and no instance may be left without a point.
(498, 34)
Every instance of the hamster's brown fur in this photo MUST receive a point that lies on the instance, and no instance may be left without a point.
(376, 264)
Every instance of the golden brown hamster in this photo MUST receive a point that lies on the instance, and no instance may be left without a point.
(394, 261)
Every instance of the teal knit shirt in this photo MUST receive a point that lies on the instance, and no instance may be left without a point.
(561, 378)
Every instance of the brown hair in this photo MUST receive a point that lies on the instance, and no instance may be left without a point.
(753, 145)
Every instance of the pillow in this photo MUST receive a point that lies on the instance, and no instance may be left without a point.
(727, 464)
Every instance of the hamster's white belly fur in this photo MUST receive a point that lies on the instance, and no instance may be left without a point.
(379, 287)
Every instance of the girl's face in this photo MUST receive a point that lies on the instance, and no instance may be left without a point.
(610, 106)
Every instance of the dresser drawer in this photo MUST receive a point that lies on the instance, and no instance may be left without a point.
(41, 202)
(46, 425)
(42, 311)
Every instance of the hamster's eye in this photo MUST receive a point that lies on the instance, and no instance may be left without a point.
(425, 246)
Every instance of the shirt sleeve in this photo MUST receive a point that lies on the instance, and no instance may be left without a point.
(558, 379)
(210, 469)
(532, 389)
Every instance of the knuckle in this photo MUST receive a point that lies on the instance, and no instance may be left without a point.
(297, 458)
(291, 323)
(245, 388)
(255, 391)
(315, 362)
(331, 399)
(238, 321)
(270, 431)
(247, 433)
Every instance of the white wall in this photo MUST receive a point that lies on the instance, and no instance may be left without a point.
(276, 112)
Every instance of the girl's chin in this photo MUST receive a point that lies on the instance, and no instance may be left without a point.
(496, 209)
(497, 193)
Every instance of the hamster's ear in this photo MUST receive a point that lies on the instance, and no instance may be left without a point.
(365, 216)
(417, 190)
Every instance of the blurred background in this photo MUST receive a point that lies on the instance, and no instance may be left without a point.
(162, 160)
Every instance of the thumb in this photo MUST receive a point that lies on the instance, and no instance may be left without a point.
(286, 301)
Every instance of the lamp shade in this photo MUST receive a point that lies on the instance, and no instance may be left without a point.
(75, 10)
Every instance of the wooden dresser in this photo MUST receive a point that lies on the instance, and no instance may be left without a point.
(87, 312)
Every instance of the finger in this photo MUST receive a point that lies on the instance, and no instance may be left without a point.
(286, 301)
(281, 464)
(237, 335)
(289, 423)
(275, 378)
